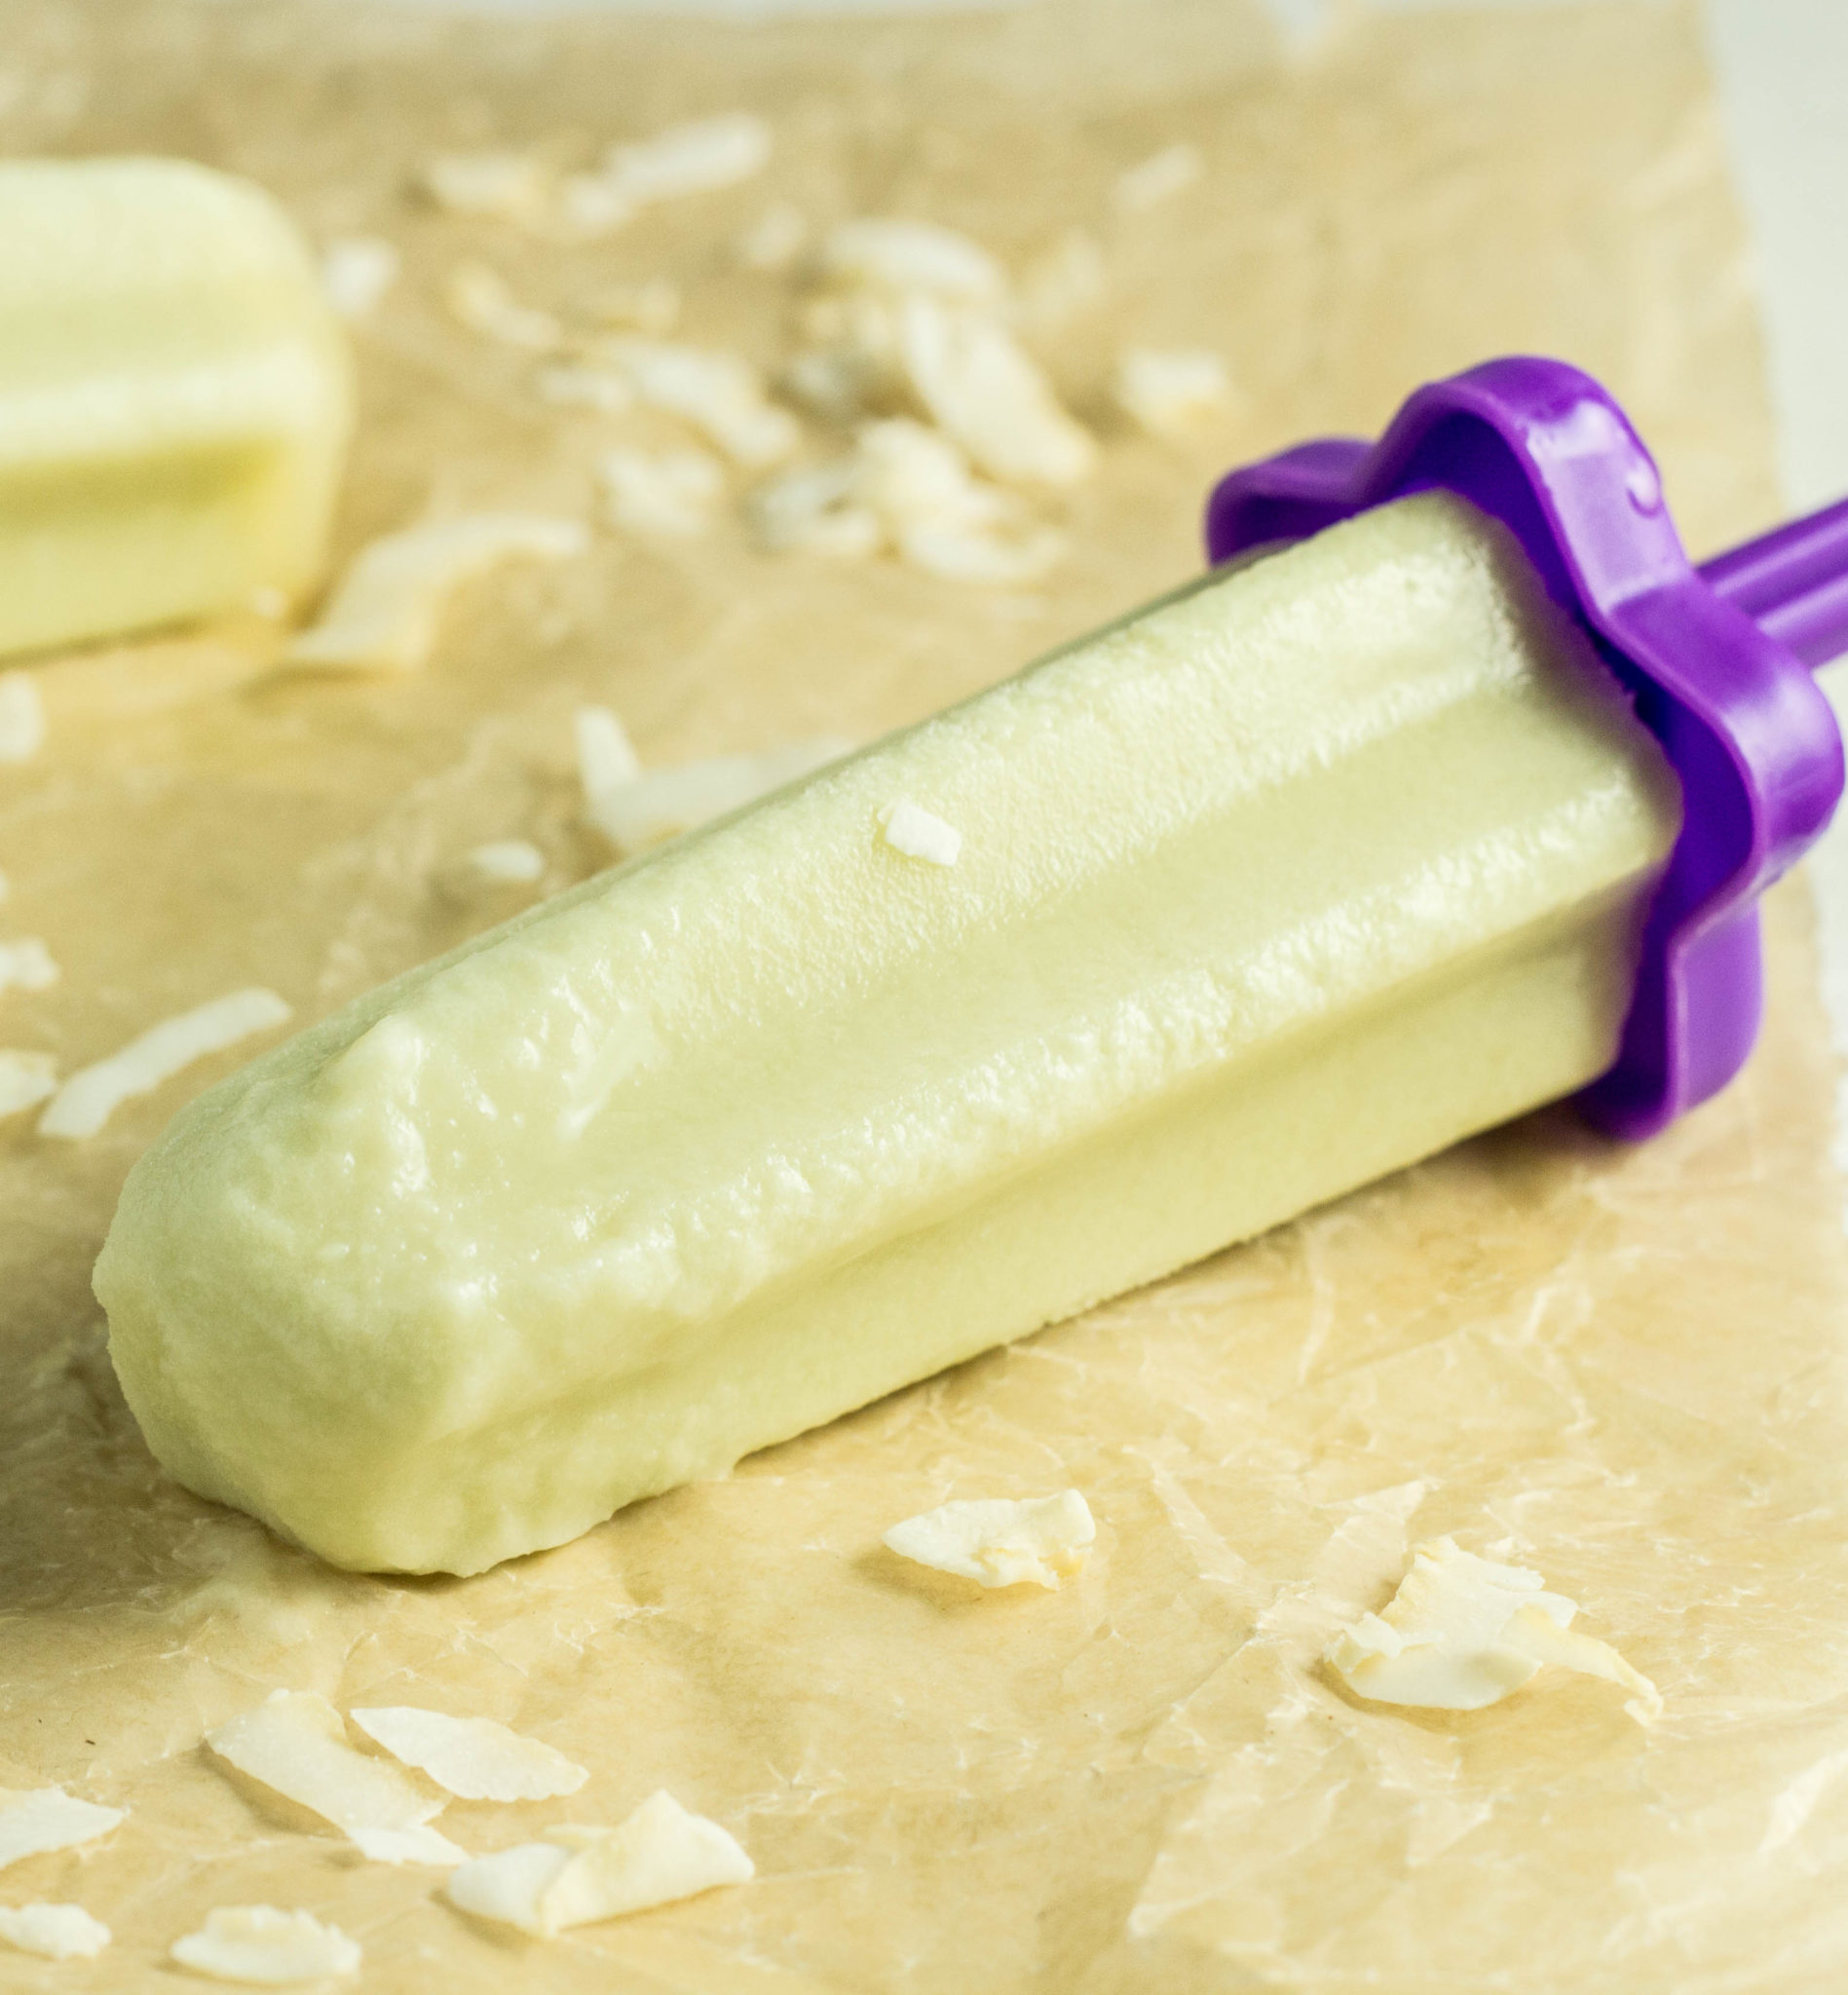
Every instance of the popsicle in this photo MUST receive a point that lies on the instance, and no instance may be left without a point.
(1300, 874)
(174, 399)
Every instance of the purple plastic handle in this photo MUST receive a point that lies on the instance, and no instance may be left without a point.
(1714, 659)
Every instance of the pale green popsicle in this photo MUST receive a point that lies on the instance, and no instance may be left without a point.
(1291, 879)
(174, 399)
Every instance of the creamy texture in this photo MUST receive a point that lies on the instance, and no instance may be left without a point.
(1301, 874)
(175, 399)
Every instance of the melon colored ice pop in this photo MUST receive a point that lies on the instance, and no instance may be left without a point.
(174, 399)
(1298, 874)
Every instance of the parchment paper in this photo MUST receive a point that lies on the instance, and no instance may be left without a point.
(1623, 1367)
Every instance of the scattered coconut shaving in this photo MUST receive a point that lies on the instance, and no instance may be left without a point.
(776, 239)
(1157, 179)
(920, 833)
(296, 1743)
(21, 717)
(92, 1094)
(509, 186)
(49, 1819)
(478, 1759)
(267, 1949)
(661, 491)
(981, 388)
(568, 383)
(650, 307)
(662, 804)
(384, 615)
(1464, 1632)
(1001, 1541)
(1170, 393)
(717, 392)
(903, 257)
(27, 965)
(1062, 281)
(576, 1876)
(356, 272)
(686, 158)
(26, 1080)
(508, 862)
(53, 1931)
(606, 756)
(908, 487)
(478, 296)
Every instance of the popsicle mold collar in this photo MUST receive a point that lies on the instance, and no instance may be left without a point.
(1716, 660)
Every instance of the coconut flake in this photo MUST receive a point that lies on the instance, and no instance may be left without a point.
(21, 717)
(717, 392)
(297, 1744)
(477, 295)
(569, 385)
(774, 239)
(27, 965)
(92, 1094)
(1157, 179)
(356, 272)
(650, 307)
(510, 186)
(920, 833)
(507, 862)
(53, 1931)
(1063, 281)
(903, 257)
(1170, 393)
(691, 159)
(383, 612)
(606, 757)
(578, 1875)
(980, 387)
(477, 1759)
(1463, 1632)
(48, 1818)
(264, 1947)
(1001, 1541)
(26, 1080)
(661, 491)
(664, 803)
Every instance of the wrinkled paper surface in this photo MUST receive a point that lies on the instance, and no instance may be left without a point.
(1620, 1367)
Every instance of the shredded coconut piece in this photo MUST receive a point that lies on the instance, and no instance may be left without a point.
(664, 803)
(477, 1759)
(507, 861)
(920, 833)
(511, 187)
(27, 965)
(477, 295)
(686, 158)
(661, 1854)
(1171, 393)
(903, 257)
(568, 385)
(1157, 179)
(92, 1094)
(356, 272)
(1062, 281)
(1464, 1632)
(652, 306)
(264, 1947)
(49, 1819)
(774, 239)
(717, 392)
(1001, 1541)
(384, 613)
(661, 491)
(980, 387)
(26, 1080)
(21, 717)
(911, 487)
(296, 1743)
(606, 757)
(53, 1931)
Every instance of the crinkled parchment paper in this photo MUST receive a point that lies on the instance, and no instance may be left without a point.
(1622, 1366)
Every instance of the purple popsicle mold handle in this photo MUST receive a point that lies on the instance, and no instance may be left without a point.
(1716, 659)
